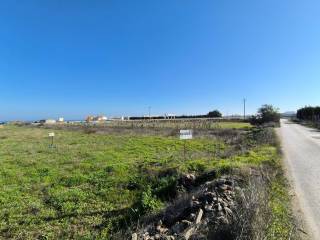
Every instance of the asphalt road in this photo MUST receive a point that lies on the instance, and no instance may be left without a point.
(301, 147)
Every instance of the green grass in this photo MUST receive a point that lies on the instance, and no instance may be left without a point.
(234, 125)
(66, 191)
(282, 226)
(180, 124)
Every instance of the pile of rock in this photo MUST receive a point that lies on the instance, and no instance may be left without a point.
(199, 213)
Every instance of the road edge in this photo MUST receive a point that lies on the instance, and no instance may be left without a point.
(304, 231)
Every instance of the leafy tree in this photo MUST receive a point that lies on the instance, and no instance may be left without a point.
(309, 113)
(266, 114)
(214, 114)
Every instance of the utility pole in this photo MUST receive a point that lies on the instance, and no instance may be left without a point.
(244, 108)
(149, 112)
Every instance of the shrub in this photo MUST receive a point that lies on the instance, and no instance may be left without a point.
(148, 202)
(215, 114)
(266, 114)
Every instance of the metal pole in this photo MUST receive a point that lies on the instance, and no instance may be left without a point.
(244, 109)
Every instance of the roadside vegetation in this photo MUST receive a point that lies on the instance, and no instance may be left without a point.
(309, 116)
(267, 115)
(204, 124)
(98, 182)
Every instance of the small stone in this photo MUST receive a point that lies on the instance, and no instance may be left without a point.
(134, 236)
(219, 207)
(223, 220)
(196, 203)
(199, 216)
(157, 236)
(208, 208)
(209, 197)
(228, 211)
(223, 203)
(229, 182)
(188, 233)
(221, 181)
(224, 187)
(186, 222)
(192, 217)
(177, 228)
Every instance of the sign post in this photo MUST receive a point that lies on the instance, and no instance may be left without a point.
(185, 135)
(51, 136)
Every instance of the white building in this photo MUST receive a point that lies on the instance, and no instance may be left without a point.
(50, 121)
(100, 118)
(170, 116)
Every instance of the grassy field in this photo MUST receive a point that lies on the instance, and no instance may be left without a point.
(181, 124)
(80, 187)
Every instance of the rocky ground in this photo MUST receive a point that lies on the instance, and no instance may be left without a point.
(205, 212)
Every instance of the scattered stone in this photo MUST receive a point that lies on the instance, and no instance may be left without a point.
(199, 216)
(208, 208)
(224, 187)
(219, 207)
(228, 211)
(192, 217)
(188, 233)
(212, 204)
(186, 223)
(134, 236)
(177, 228)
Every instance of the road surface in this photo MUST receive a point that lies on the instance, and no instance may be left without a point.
(301, 147)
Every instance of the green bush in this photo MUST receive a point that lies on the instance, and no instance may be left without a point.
(266, 114)
(148, 203)
(214, 114)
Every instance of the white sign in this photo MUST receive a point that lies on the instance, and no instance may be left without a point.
(185, 134)
(51, 134)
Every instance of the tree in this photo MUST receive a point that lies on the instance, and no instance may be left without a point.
(309, 113)
(266, 114)
(214, 114)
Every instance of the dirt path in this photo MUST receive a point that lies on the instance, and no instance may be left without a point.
(301, 147)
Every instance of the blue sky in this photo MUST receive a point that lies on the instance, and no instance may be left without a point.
(74, 58)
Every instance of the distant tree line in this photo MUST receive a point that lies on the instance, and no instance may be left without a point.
(309, 113)
(212, 114)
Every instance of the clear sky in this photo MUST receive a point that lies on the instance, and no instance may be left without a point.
(117, 57)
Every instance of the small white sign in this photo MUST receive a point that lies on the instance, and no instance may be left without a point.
(51, 134)
(185, 134)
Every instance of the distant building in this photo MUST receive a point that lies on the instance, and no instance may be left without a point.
(89, 119)
(96, 118)
(49, 121)
(170, 116)
(100, 118)
(60, 119)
